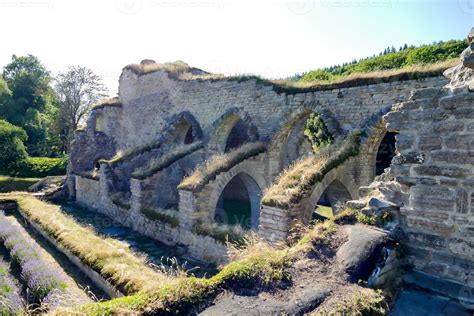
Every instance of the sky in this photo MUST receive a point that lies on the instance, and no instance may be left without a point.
(271, 38)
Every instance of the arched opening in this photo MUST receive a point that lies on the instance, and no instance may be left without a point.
(99, 123)
(239, 202)
(385, 152)
(189, 137)
(182, 133)
(238, 135)
(336, 193)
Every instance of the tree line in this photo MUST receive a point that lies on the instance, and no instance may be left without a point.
(389, 58)
(39, 113)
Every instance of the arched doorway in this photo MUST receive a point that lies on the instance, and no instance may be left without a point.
(239, 202)
(335, 193)
(385, 152)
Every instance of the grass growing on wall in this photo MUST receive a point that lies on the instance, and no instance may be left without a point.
(164, 161)
(219, 163)
(298, 179)
(220, 232)
(162, 215)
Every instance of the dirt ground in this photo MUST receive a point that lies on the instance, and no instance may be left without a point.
(315, 278)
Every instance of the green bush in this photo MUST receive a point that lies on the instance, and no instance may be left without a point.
(317, 132)
(13, 152)
(38, 167)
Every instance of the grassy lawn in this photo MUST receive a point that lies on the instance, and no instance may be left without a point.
(9, 184)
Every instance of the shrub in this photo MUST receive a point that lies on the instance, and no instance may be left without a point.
(317, 132)
(11, 302)
(13, 152)
(40, 277)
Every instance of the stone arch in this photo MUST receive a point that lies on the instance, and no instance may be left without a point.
(289, 142)
(374, 132)
(239, 202)
(339, 181)
(251, 177)
(183, 128)
(231, 130)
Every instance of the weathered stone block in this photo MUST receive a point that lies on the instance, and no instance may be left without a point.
(447, 126)
(437, 170)
(408, 158)
(429, 143)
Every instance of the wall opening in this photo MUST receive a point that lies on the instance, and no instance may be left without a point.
(99, 123)
(182, 133)
(385, 153)
(239, 203)
(189, 137)
(336, 193)
(238, 135)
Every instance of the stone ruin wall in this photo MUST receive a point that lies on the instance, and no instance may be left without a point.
(149, 101)
(435, 167)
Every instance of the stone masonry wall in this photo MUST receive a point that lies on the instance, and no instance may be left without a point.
(435, 166)
(149, 101)
(94, 196)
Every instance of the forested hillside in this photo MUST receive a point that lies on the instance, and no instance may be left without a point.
(391, 58)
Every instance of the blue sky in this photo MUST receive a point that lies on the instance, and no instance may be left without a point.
(271, 38)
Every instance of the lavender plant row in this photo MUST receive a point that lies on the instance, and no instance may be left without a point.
(46, 283)
(11, 302)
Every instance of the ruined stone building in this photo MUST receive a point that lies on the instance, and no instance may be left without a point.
(138, 154)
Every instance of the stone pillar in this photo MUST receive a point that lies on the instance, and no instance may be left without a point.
(136, 198)
(103, 189)
(274, 224)
(188, 212)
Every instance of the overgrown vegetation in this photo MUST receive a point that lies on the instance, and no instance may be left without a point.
(175, 69)
(391, 66)
(109, 257)
(298, 179)
(119, 199)
(317, 132)
(390, 59)
(255, 264)
(15, 160)
(166, 216)
(221, 232)
(127, 156)
(219, 163)
(164, 161)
